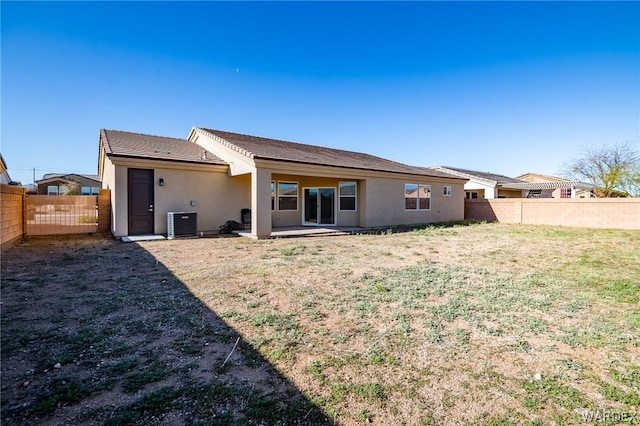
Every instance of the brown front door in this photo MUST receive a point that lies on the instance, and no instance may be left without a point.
(140, 186)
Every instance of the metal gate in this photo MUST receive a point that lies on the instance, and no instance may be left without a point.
(61, 214)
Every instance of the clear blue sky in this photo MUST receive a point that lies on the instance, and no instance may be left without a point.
(507, 87)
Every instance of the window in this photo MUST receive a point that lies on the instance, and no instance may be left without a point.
(287, 195)
(565, 192)
(89, 190)
(347, 193)
(472, 195)
(273, 195)
(446, 191)
(52, 190)
(417, 197)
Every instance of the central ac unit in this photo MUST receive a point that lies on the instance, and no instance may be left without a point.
(182, 225)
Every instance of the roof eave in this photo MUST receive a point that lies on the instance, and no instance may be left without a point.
(175, 160)
(377, 170)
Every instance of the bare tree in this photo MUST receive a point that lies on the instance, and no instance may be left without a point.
(71, 188)
(614, 169)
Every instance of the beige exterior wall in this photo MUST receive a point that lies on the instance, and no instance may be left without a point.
(108, 178)
(379, 202)
(217, 196)
(509, 193)
(616, 213)
(384, 203)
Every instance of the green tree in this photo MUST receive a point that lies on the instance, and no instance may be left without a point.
(614, 169)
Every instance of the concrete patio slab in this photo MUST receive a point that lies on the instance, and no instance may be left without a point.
(134, 238)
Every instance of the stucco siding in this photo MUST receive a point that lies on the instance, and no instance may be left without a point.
(385, 203)
(509, 193)
(108, 177)
(217, 197)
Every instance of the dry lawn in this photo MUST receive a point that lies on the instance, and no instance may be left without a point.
(484, 324)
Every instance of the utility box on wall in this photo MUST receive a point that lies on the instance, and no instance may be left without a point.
(182, 225)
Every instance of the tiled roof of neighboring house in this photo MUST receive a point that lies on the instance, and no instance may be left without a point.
(127, 144)
(279, 150)
(537, 177)
(550, 185)
(494, 178)
(540, 181)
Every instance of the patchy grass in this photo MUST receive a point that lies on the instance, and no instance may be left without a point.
(475, 324)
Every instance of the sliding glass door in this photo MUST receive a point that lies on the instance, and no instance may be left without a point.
(319, 206)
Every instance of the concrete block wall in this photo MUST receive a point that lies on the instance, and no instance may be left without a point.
(12, 199)
(615, 213)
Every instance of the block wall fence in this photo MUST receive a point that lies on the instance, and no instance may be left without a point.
(13, 213)
(12, 225)
(614, 213)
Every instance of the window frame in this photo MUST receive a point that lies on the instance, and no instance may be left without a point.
(417, 198)
(354, 196)
(296, 196)
(445, 192)
(93, 190)
(273, 195)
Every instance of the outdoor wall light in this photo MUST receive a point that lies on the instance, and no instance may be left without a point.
(161, 182)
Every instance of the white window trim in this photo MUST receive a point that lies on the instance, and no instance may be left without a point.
(417, 197)
(354, 196)
(297, 196)
(445, 192)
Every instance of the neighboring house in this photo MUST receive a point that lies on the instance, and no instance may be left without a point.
(4, 174)
(484, 184)
(544, 186)
(58, 184)
(217, 174)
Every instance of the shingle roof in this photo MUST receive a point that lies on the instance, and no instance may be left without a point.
(492, 177)
(127, 144)
(84, 180)
(64, 175)
(279, 150)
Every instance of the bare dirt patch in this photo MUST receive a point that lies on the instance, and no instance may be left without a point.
(483, 324)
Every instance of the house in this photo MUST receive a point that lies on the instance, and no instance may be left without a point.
(4, 174)
(61, 183)
(544, 186)
(218, 173)
(484, 184)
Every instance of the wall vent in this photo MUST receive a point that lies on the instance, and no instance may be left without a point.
(182, 225)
